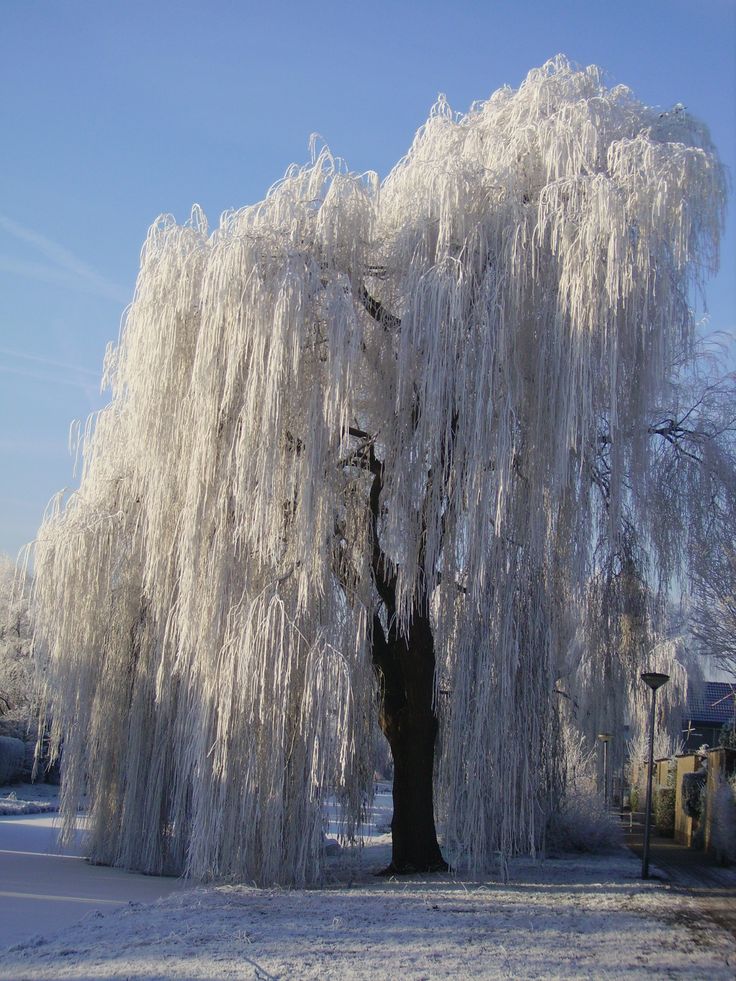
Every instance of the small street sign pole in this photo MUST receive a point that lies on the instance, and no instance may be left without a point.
(603, 737)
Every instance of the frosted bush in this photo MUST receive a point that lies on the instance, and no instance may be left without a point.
(12, 759)
(663, 806)
(723, 828)
(18, 685)
(693, 793)
(581, 822)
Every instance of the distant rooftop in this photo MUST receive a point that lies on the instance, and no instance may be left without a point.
(713, 703)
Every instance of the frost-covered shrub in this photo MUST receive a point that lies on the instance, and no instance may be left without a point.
(634, 798)
(581, 822)
(723, 834)
(17, 675)
(664, 810)
(12, 758)
(693, 793)
(727, 738)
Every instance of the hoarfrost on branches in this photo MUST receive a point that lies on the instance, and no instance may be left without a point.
(425, 382)
(713, 579)
(18, 686)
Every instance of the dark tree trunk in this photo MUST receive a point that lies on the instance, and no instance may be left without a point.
(405, 667)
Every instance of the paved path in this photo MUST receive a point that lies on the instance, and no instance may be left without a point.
(690, 871)
(43, 890)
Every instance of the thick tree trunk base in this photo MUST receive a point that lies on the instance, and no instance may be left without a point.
(409, 869)
(409, 722)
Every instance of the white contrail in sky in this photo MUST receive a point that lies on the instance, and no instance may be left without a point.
(66, 269)
(90, 390)
(60, 372)
(49, 362)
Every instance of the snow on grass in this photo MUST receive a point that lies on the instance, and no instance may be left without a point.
(581, 917)
(589, 917)
(28, 798)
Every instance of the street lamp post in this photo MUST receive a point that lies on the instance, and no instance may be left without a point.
(654, 680)
(604, 737)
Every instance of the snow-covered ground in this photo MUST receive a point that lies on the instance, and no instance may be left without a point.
(29, 798)
(44, 889)
(590, 917)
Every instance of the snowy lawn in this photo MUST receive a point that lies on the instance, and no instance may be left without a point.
(569, 918)
(28, 798)
(44, 889)
(583, 917)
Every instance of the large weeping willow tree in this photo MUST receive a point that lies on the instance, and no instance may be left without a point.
(352, 466)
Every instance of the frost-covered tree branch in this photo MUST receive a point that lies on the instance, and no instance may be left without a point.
(18, 685)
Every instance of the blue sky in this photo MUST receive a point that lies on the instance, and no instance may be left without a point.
(114, 112)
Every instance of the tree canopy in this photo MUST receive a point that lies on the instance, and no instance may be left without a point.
(352, 407)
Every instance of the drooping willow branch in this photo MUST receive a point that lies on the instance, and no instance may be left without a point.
(448, 442)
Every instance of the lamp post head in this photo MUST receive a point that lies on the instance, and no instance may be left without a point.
(604, 736)
(654, 679)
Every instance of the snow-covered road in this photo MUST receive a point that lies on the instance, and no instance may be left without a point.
(43, 890)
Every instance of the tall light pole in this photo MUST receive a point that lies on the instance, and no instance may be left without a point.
(655, 681)
(604, 737)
